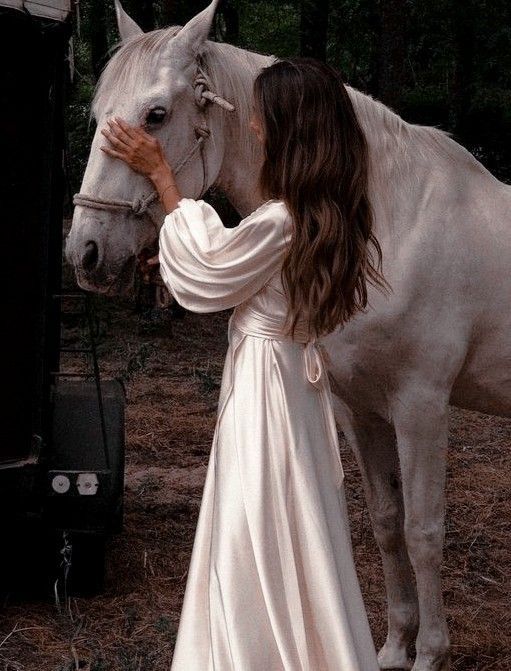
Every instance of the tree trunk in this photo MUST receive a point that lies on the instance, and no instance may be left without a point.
(390, 21)
(146, 15)
(230, 31)
(142, 12)
(97, 33)
(314, 28)
(461, 93)
(178, 12)
(374, 26)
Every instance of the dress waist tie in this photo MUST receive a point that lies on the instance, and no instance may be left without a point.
(251, 322)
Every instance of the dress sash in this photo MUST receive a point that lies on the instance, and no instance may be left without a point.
(249, 321)
(252, 322)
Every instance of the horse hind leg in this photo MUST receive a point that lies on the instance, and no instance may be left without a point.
(373, 443)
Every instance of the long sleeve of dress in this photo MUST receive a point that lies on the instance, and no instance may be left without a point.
(208, 267)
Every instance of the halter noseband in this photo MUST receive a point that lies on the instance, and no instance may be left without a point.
(139, 206)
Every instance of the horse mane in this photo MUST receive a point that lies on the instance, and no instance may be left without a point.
(230, 72)
(384, 126)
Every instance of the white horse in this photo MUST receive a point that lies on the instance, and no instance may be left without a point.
(442, 337)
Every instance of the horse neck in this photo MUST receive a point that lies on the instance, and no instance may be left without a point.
(237, 177)
(402, 156)
(394, 168)
(408, 163)
(242, 153)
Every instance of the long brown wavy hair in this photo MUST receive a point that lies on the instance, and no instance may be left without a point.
(316, 161)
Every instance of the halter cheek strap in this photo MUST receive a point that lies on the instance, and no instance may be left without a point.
(139, 206)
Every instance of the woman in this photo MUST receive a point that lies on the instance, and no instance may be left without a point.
(272, 584)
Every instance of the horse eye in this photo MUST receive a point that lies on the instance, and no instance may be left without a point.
(155, 116)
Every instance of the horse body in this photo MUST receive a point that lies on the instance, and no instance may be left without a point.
(484, 381)
(441, 337)
(446, 240)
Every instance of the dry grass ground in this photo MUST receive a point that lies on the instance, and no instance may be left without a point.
(173, 380)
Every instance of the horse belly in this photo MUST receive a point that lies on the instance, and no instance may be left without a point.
(484, 382)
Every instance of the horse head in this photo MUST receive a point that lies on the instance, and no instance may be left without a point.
(156, 80)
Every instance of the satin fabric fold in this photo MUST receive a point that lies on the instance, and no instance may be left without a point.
(272, 584)
(251, 322)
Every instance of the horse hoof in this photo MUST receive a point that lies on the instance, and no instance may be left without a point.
(440, 662)
(393, 657)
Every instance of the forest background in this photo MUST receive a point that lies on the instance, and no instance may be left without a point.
(445, 63)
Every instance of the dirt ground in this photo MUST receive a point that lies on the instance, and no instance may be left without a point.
(172, 369)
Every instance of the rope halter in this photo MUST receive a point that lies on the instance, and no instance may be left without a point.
(139, 206)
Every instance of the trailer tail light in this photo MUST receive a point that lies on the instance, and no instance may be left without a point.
(60, 484)
(87, 484)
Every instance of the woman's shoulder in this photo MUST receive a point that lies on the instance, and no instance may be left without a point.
(273, 202)
(273, 209)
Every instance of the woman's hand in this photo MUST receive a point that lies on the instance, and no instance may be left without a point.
(141, 151)
(148, 267)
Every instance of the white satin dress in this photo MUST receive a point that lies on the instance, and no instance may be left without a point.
(271, 584)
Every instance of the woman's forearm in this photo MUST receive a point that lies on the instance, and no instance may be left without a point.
(165, 184)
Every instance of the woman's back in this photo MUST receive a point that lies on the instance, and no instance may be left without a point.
(269, 304)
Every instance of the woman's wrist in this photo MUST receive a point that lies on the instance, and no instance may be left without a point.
(165, 184)
(162, 176)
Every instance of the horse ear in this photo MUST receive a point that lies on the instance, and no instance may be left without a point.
(194, 33)
(127, 27)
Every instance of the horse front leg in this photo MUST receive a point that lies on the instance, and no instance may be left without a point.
(420, 418)
(373, 443)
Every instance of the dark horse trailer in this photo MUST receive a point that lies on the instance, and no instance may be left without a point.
(62, 446)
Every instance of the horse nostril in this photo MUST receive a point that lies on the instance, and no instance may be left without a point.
(90, 258)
